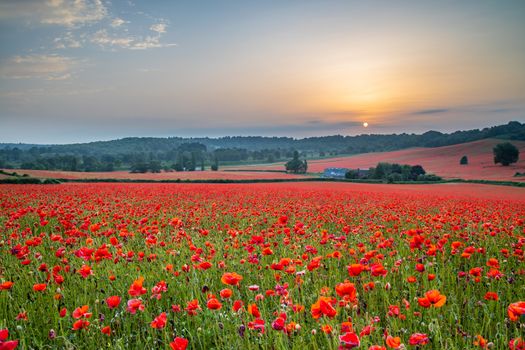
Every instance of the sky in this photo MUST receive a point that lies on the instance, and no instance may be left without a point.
(86, 70)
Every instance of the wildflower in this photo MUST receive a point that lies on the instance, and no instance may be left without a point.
(136, 288)
(134, 305)
(432, 298)
(418, 339)
(516, 310)
(113, 301)
(323, 306)
(179, 344)
(231, 278)
(159, 322)
(349, 340)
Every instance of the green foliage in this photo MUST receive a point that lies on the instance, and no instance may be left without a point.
(463, 160)
(296, 165)
(506, 153)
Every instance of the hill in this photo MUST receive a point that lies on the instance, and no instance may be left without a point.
(442, 161)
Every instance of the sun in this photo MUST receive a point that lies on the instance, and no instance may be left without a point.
(365, 124)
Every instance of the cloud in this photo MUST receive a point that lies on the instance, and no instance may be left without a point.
(431, 111)
(48, 67)
(160, 28)
(117, 22)
(67, 41)
(74, 13)
(102, 38)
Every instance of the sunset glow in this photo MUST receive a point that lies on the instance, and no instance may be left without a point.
(278, 68)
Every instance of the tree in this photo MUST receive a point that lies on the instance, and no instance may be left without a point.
(415, 171)
(506, 153)
(215, 165)
(296, 165)
(463, 160)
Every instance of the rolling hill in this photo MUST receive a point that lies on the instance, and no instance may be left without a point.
(442, 161)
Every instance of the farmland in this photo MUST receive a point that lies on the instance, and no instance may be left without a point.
(272, 266)
(442, 161)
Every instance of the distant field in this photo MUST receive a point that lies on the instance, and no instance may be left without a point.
(186, 175)
(443, 161)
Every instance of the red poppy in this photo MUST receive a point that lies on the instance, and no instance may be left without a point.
(80, 324)
(7, 344)
(432, 298)
(324, 306)
(214, 304)
(226, 293)
(346, 289)
(393, 342)
(231, 278)
(136, 288)
(39, 287)
(349, 340)
(82, 311)
(6, 285)
(160, 321)
(113, 301)
(418, 339)
(516, 310)
(135, 305)
(179, 344)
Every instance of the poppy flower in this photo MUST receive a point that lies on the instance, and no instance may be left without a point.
(323, 306)
(279, 323)
(516, 310)
(7, 344)
(349, 340)
(237, 305)
(80, 324)
(113, 301)
(393, 342)
(179, 344)
(136, 288)
(39, 287)
(160, 321)
(491, 296)
(432, 298)
(214, 304)
(135, 305)
(82, 311)
(226, 293)
(418, 339)
(517, 344)
(346, 289)
(254, 310)
(231, 278)
(192, 307)
(6, 285)
(480, 341)
(85, 271)
(106, 330)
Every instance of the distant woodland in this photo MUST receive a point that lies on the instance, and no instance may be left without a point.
(141, 154)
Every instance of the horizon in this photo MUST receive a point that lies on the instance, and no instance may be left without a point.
(92, 70)
(247, 136)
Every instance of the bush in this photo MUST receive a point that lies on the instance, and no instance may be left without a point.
(463, 160)
(506, 153)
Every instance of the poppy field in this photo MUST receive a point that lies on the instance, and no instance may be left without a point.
(262, 266)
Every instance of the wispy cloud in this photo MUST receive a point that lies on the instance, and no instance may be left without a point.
(160, 28)
(48, 67)
(431, 111)
(86, 22)
(74, 13)
(117, 22)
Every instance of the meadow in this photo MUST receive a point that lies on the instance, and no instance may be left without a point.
(262, 266)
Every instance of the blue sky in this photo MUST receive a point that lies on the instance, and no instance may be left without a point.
(74, 71)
